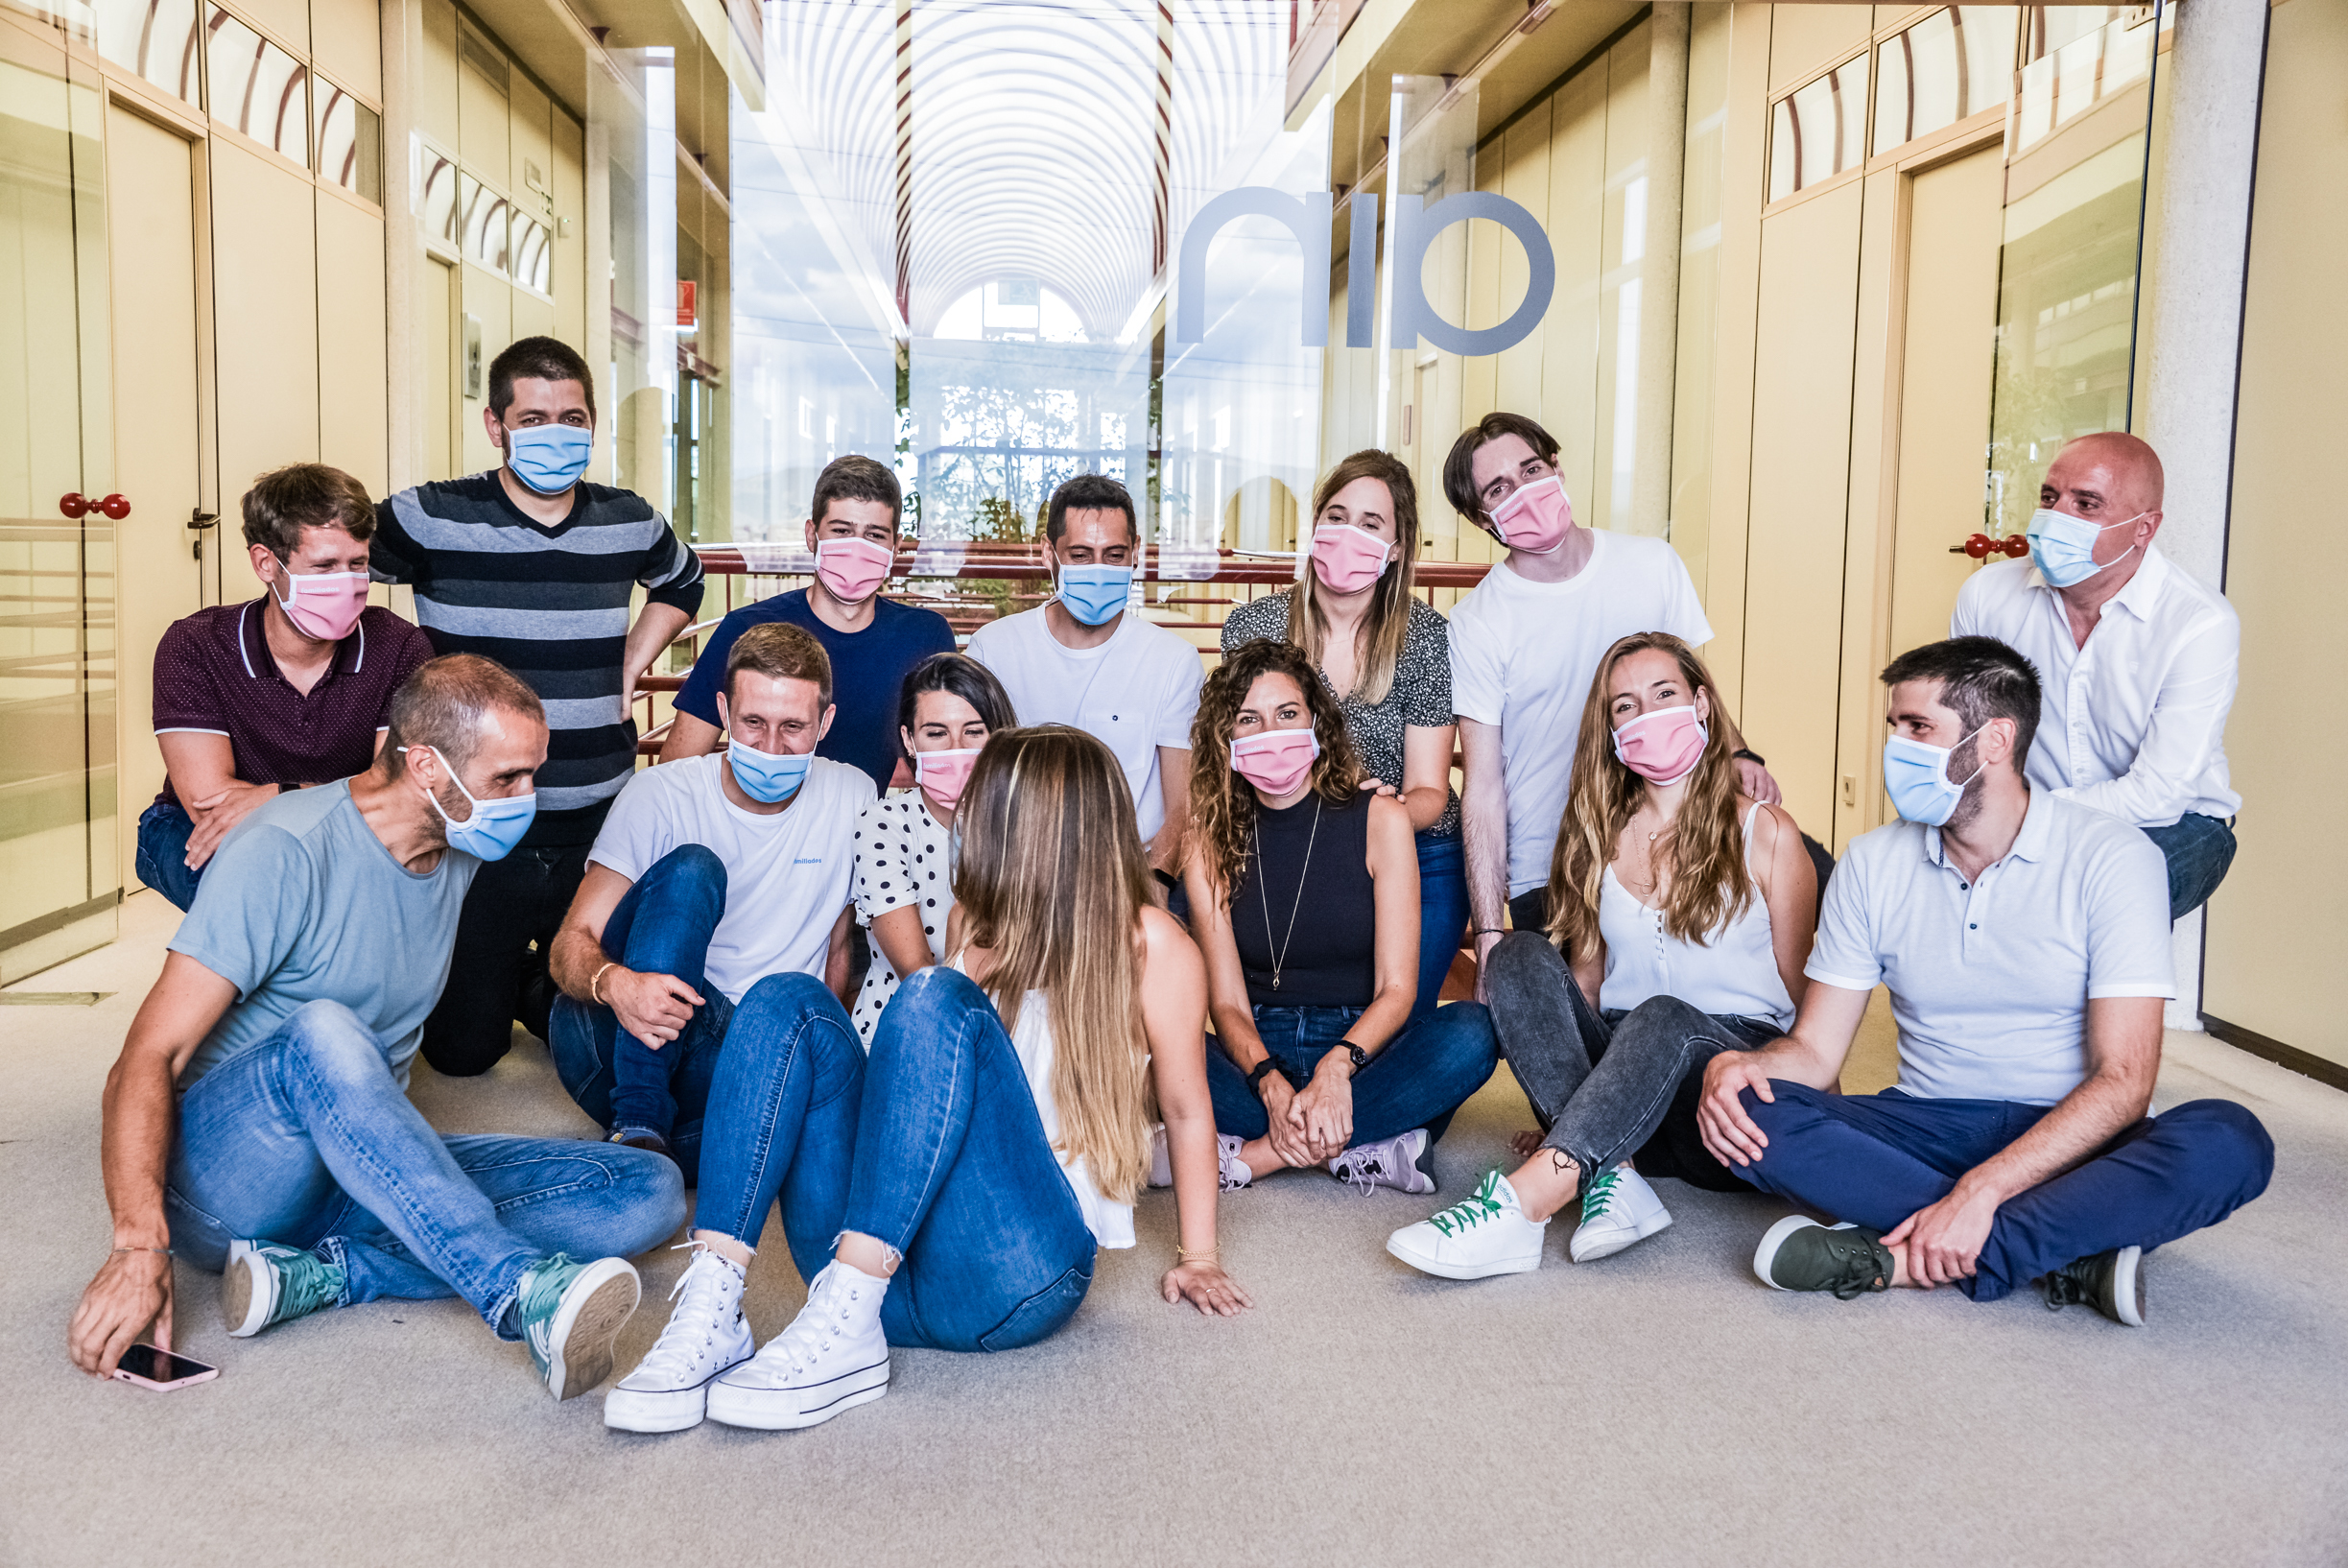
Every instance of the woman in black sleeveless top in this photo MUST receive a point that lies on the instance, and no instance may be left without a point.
(1304, 893)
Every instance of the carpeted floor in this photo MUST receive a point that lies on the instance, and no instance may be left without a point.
(1661, 1406)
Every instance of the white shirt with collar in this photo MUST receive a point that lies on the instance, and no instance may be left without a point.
(2133, 722)
(1990, 978)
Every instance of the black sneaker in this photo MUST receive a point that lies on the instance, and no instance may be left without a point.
(1800, 1254)
(2113, 1283)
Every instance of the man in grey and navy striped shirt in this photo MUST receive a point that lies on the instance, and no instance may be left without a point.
(528, 566)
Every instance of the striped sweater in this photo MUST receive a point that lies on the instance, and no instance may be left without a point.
(549, 603)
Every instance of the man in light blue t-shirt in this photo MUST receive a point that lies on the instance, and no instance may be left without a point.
(257, 1120)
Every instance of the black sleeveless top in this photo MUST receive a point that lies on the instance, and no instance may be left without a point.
(1330, 960)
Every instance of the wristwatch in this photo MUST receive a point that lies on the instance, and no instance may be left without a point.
(1745, 754)
(1255, 1076)
(1361, 1058)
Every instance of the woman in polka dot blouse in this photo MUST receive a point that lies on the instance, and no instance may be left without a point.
(905, 839)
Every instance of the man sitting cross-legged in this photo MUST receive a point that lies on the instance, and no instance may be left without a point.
(257, 1122)
(2024, 941)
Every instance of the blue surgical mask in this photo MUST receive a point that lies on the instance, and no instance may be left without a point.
(494, 828)
(1094, 594)
(767, 777)
(1916, 777)
(2064, 546)
(549, 458)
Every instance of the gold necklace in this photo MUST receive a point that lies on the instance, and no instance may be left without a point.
(1256, 828)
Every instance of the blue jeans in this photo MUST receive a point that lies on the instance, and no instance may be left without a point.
(306, 1139)
(163, 831)
(1878, 1158)
(1442, 916)
(661, 926)
(2199, 850)
(1423, 1075)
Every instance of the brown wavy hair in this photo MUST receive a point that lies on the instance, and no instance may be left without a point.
(1387, 625)
(1051, 879)
(1222, 804)
(1705, 847)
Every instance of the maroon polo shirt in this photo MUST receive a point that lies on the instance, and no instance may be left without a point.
(214, 674)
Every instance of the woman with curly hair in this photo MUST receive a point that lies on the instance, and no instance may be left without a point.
(1320, 1062)
(1681, 912)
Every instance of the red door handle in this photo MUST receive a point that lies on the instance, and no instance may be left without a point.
(73, 505)
(115, 507)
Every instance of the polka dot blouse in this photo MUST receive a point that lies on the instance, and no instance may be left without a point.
(904, 857)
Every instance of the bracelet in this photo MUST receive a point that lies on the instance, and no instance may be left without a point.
(1212, 1255)
(1490, 931)
(165, 1251)
(595, 992)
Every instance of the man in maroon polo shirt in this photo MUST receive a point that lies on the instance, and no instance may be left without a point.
(287, 690)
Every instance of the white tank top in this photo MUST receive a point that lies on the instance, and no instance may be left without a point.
(1734, 974)
(1111, 1223)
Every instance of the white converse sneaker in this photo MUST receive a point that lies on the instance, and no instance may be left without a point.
(831, 1358)
(1618, 1207)
(1233, 1170)
(1406, 1164)
(1485, 1235)
(705, 1338)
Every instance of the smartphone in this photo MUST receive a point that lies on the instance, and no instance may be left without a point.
(161, 1371)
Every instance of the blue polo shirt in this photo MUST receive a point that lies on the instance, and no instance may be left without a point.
(868, 671)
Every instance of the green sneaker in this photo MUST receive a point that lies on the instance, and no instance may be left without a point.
(2113, 1283)
(569, 1315)
(266, 1283)
(1800, 1254)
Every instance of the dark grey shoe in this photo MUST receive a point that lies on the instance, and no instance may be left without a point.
(2113, 1283)
(636, 1137)
(1800, 1254)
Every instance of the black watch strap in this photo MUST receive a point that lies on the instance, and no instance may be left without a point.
(1747, 754)
(1361, 1058)
(1255, 1076)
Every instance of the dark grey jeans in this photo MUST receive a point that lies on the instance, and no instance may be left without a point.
(1612, 1085)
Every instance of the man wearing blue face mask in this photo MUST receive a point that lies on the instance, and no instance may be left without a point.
(257, 1123)
(2023, 939)
(2139, 660)
(1084, 660)
(711, 874)
(532, 565)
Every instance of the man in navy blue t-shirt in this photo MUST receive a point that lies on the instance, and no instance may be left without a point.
(873, 644)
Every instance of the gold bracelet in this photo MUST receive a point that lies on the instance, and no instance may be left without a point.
(167, 1252)
(595, 992)
(1212, 1255)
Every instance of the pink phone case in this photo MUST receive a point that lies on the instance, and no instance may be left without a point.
(204, 1376)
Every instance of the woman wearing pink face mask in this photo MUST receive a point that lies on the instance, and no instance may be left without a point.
(949, 706)
(1304, 897)
(1681, 915)
(1385, 655)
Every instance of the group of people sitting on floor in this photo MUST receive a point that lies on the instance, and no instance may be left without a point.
(951, 956)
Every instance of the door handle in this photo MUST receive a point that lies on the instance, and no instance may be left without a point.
(73, 505)
(200, 518)
(1981, 547)
(114, 507)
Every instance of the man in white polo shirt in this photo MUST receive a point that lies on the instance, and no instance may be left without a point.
(709, 875)
(1525, 647)
(2138, 660)
(1083, 660)
(2026, 946)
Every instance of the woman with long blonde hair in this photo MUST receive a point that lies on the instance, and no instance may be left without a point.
(952, 1193)
(1681, 912)
(1384, 654)
(1304, 897)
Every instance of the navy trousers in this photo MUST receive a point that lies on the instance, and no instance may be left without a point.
(1878, 1158)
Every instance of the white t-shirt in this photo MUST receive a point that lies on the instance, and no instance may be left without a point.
(1134, 693)
(903, 856)
(787, 876)
(1990, 979)
(1523, 655)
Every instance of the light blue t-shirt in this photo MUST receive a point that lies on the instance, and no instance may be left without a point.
(303, 903)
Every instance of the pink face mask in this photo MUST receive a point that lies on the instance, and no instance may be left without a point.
(1347, 558)
(1662, 747)
(943, 773)
(1275, 761)
(852, 568)
(324, 605)
(1536, 518)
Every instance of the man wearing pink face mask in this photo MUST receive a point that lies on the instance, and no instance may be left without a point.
(1524, 646)
(873, 642)
(289, 689)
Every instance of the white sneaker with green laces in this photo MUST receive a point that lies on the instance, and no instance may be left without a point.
(1484, 1235)
(1618, 1207)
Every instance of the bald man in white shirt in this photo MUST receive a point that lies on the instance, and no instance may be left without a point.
(2138, 660)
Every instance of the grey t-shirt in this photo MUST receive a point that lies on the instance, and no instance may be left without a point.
(303, 903)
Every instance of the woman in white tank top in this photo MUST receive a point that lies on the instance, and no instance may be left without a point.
(952, 1191)
(1687, 909)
